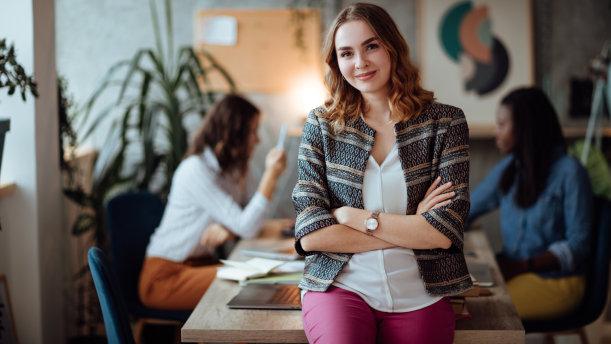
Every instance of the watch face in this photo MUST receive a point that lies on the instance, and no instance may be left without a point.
(371, 224)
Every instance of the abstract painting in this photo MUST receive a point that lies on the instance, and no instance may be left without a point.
(471, 53)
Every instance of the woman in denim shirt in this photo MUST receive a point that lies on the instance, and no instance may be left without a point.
(545, 200)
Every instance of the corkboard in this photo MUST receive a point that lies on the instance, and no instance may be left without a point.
(266, 57)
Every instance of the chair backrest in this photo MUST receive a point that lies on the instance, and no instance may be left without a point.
(114, 311)
(131, 219)
(597, 269)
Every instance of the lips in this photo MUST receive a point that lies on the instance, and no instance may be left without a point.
(365, 76)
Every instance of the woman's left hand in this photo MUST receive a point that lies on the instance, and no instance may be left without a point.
(436, 196)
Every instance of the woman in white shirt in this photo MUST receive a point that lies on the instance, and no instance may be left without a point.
(204, 207)
(382, 194)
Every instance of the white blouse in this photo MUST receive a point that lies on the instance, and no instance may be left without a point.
(199, 196)
(388, 280)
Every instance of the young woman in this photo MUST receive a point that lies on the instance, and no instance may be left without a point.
(382, 194)
(205, 205)
(545, 201)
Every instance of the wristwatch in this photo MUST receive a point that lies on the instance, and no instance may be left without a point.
(371, 224)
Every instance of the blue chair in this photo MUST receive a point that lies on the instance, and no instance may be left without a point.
(597, 281)
(114, 311)
(131, 219)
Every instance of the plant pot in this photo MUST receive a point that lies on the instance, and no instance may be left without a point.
(5, 125)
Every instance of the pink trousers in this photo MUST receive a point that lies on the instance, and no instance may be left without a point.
(339, 316)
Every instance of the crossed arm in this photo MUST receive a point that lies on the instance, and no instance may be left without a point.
(349, 236)
(321, 228)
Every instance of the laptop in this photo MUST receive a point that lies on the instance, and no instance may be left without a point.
(480, 273)
(267, 296)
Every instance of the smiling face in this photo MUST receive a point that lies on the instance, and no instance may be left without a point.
(505, 139)
(361, 58)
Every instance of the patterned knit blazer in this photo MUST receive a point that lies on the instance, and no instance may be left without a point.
(331, 167)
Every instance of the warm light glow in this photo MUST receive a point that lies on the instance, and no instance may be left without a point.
(308, 92)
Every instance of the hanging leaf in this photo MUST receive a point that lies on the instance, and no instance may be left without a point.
(79, 197)
(84, 223)
(13, 73)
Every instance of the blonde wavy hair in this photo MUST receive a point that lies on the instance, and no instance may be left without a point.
(406, 98)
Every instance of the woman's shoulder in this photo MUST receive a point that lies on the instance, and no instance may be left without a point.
(569, 166)
(189, 162)
(186, 167)
(502, 164)
(317, 114)
(440, 111)
(568, 174)
(192, 166)
(317, 120)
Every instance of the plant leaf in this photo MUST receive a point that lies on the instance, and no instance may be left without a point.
(169, 32)
(78, 196)
(155, 23)
(133, 68)
(84, 223)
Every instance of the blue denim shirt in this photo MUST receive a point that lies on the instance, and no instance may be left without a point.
(559, 221)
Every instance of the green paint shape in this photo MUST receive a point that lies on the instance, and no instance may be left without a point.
(449, 29)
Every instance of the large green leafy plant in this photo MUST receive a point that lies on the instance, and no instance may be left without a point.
(155, 91)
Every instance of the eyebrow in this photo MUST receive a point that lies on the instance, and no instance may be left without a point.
(367, 41)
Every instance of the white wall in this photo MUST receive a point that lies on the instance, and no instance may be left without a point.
(29, 254)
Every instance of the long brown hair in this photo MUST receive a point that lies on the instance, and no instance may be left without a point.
(406, 97)
(226, 130)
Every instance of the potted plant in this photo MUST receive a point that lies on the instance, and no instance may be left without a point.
(156, 90)
(13, 77)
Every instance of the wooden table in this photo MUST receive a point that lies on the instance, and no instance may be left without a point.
(494, 318)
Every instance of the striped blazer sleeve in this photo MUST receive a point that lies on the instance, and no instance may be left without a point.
(454, 166)
(311, 195)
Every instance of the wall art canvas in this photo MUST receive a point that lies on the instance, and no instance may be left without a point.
(472, 53)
